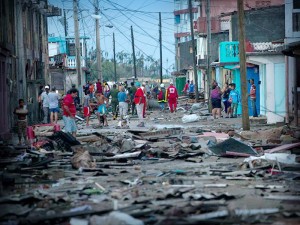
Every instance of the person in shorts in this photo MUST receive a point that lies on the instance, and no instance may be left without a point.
(69, 112)
(53, 98)
(215, 95)
(102, 110)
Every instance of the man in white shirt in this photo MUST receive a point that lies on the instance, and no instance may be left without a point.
(45, 102)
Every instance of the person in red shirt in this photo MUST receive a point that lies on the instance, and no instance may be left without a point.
(186, 87)
(69, 112)
(99, 87)
(140, 101)
(172, 97)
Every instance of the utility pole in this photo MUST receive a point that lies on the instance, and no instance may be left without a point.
(77, 43)
(98, 49)
(160, 50)
(194, 52)
(208, 47)
(66, 30)
(245, 113)
(133, 53)
(115, 65)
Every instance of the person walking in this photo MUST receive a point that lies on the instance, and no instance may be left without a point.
(234, 99)
(161, 97)
(45, 103)
(225, 99)
(21, 112)
(114, 101)
(172, 97)
(215, 95)
(139, 99)
(53, 105)
(131, 92)
(143, 87)
(69, 112)
(123, 104)
(252, 96)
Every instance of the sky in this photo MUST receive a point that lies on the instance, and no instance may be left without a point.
(142, 15)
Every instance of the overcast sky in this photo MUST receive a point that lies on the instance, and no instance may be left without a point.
(121, 14)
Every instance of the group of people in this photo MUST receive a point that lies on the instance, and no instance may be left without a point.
(230, 98)
(124, 99)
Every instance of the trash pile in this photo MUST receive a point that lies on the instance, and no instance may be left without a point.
(158, 176)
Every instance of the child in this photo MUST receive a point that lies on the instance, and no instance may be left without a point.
(234, 99)
(102, 111)
(21, 113)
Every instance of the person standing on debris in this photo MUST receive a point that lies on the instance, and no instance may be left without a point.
(252, 96)
(131, 92)
(139, 100)
(53, 105)
(172, 97)
(143, 87)
(114, 101)
(21, 112)
(215, 95)
(186, 87)
(45, 102)
(123, 104)
(102, 110)
(99, 87)
(234, 99)
(87, 107)
(225, 99)
(161, 97)
(69, 112)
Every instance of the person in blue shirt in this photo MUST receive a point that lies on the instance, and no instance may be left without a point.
(234, 99)
(192, 90)
(123, 103)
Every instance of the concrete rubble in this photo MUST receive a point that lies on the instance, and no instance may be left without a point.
(170, 172)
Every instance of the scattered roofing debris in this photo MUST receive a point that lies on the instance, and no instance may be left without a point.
(157, 176)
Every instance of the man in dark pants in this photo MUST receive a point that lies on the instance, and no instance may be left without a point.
(131, 92)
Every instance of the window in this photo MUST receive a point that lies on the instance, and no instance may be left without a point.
(296, 4)
(296, 22)
(177, 19)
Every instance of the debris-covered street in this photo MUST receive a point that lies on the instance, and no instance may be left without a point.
(202, 171)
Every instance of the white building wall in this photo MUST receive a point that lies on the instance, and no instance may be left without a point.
(267, 88)
(53, 49)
